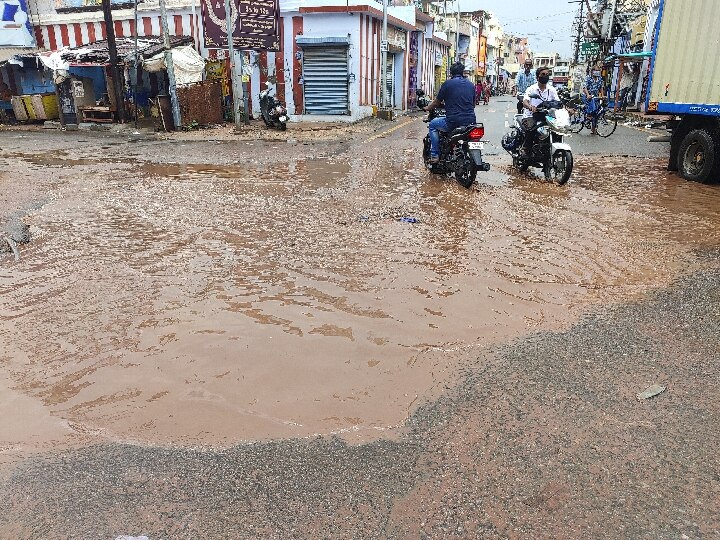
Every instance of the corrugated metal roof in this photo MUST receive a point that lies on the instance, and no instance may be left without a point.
(97, 53)
(7, 52)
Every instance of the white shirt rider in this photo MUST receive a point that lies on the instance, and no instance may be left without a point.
(549, 94)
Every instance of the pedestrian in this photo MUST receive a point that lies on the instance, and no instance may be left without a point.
(487, 91)
(525, 79)
(593, 90)
(478, 91)
(627, 83)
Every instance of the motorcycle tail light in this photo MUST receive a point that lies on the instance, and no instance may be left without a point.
(477, 133)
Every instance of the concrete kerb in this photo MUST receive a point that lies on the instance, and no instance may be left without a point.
(116, 130)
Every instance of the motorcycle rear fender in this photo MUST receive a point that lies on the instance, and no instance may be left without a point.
(561, 146)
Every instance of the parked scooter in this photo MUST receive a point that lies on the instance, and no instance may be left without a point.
(274, 113)
(422, 99)
(460, 151)
(549, 125)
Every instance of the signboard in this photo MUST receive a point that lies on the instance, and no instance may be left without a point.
(15, 29)
(482, 55)
(590, 48)
(255, 24)
(383, 46)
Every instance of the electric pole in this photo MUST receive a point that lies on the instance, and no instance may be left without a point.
(177, 118)
(580, 24)
(114, 68)
(383, 57)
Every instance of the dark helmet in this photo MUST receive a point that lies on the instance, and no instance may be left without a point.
(457, 69)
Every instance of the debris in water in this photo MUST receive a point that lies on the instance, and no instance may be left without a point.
(13, 246)
(408, 219)
(650, 392)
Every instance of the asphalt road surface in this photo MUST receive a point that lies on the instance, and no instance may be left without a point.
(310, 336)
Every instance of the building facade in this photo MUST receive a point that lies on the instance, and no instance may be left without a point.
(328, 63)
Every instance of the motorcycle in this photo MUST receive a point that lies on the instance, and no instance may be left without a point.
(274, 113)
(460, 151)
(422, 99)
(549, 125)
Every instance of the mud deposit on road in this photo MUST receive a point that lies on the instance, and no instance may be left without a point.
(195, 304)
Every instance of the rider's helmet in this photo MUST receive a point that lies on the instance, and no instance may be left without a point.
(457, 69)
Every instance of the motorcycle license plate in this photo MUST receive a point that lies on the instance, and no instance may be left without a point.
(475, 145)
(283, 119)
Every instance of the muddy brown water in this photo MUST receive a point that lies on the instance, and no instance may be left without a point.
(199, 304)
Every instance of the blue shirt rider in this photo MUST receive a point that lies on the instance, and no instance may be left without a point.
(594, 87)
(457, 94)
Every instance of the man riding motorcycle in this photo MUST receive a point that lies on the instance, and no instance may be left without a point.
(457, 95)
(545, 92)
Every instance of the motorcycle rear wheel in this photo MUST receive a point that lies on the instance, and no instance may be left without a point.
(466, 172)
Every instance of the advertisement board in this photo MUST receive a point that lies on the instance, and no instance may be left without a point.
(15, 28)
(255, 24)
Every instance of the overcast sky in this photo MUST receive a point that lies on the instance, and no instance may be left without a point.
(547, 23)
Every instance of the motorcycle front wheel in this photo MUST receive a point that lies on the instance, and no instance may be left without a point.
(560, 167)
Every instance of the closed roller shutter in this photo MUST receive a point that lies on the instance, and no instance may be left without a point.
(325, 79)
(390, 81)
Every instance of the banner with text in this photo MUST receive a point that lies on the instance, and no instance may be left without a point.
(255, 24)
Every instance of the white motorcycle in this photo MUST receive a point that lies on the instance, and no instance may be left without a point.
(548, 126)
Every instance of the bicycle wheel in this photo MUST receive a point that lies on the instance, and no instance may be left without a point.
(606, 126)
(577, 122)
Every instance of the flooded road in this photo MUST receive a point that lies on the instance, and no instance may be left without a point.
(210, 294)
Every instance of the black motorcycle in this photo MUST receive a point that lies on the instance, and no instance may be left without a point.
(274, 113)
(547, 126)
(460, 151)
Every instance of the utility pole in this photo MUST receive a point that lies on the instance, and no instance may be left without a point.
(114, 68)
(581, 21)
(229, 28)
(177, 118)
(383, 58)
(457, 33)
(243, 85)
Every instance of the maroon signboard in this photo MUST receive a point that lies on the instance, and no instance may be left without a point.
(255, 24)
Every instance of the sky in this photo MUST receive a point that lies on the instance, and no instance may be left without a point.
(547, 23)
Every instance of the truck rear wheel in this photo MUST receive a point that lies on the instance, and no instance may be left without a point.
(699, 156)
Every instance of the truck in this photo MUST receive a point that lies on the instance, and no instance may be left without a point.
(684, 82)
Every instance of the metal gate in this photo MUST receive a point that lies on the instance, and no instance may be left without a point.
(325, 80)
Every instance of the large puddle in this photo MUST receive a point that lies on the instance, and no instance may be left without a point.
(199, 304)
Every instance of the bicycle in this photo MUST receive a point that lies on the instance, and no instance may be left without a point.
(605, 121)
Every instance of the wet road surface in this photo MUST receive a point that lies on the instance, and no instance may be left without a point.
(178, 300)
